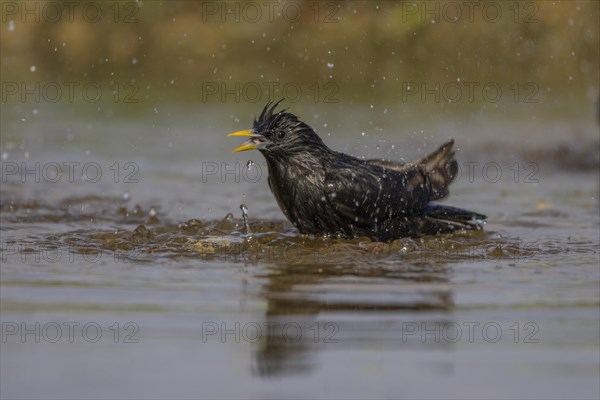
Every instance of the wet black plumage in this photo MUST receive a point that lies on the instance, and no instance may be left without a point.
(322, 191)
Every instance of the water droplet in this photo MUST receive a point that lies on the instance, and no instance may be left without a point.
(23, 119)
(134, 61)
(362, 133)
(35, 111)
(33, 68)
(245, 217)
(11, 26)
(330, 65)
(152, 212)
(4, 155)
(125, 196)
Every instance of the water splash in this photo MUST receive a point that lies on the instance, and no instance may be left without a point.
(245, 218)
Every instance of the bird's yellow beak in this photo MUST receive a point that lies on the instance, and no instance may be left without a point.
(249, 144)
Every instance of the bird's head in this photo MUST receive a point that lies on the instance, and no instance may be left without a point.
(278, 133)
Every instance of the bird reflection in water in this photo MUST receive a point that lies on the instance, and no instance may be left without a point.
(314, 307)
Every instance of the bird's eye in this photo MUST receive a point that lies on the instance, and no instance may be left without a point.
(280, 134)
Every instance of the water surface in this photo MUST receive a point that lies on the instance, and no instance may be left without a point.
(154, 255)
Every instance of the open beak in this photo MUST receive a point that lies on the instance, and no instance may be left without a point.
(254, 140)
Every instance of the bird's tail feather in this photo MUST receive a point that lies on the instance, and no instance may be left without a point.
(441, 169)
(433, 219)
(446, 219)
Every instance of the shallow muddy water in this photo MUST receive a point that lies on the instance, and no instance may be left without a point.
(127, 270)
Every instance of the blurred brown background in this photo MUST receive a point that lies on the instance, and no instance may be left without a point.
(195, 51)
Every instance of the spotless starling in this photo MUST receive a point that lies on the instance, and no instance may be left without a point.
(324, 192)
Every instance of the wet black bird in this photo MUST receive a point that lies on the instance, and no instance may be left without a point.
(322, 191)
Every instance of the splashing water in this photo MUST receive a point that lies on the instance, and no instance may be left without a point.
(245, 218)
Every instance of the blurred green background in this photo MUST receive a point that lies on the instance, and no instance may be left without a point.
(348, 51)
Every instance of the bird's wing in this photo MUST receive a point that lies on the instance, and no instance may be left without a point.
(366, 194)
(440, 166)
(398, 166)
